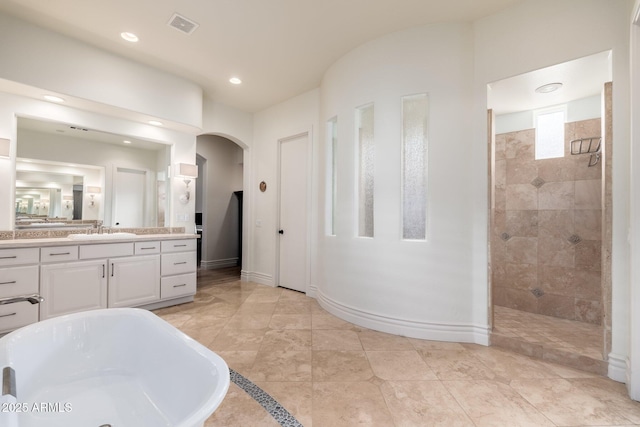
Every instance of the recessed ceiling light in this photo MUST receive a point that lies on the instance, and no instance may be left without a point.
(126, 141)
(53, 98)
(130, 37)
(235, 81)
(548, 88)
(155, 123)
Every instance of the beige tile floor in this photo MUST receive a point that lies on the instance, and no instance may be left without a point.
(578, 337)
(327, 372)
(576, 344)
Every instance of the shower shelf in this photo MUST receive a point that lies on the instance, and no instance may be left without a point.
(590, 145)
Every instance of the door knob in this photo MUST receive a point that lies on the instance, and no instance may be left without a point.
(280, 231)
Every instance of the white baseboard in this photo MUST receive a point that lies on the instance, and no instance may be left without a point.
(219, 263)
(261, 278)
(312, 291)
(245, 276)
(617, 370)
(451, 332)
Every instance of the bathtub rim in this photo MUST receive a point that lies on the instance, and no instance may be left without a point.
(199, 416)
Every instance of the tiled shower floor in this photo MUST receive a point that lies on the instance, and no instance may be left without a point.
(569, 342)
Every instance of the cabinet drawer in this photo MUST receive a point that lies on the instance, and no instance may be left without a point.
(181, 245)
(19, 256)
(178, 263)
(59, 254)
(146, 248)
(178, 286)
(16, 281)
(17, 315)
(107, 250)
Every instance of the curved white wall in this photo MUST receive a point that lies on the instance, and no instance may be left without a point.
(419, 289)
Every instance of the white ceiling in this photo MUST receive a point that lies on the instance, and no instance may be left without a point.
(279, 48)
(580, 78)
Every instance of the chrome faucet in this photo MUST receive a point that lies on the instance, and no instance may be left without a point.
(33, 299)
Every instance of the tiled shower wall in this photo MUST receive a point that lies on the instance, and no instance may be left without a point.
(546, 231)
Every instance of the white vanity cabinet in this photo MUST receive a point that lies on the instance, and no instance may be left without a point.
(134, 281)
(18, 277)
(105, 275)
(86, 276)
(72, 286)
(179, 264)
(69, 285)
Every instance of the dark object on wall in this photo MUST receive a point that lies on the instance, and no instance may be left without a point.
(199, 232)
(77, 201)
(239, 196)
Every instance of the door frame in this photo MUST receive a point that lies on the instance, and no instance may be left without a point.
(308, 133)
(201, 162)
(633, 360)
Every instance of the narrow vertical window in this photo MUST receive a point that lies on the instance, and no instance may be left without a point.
(366, 160)
(550, 133)
(332, 174)
(414, 166)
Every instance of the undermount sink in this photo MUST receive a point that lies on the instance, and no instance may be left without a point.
(104, 236)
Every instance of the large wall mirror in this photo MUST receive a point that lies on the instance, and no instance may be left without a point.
(51, 191)
(69, 172)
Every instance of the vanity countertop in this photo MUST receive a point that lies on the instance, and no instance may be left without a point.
(64, 241)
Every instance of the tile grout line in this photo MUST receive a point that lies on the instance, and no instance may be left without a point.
(277, 411)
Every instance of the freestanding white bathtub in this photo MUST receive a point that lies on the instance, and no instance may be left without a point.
(114, 367)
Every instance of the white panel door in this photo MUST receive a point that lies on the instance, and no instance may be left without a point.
(292, 272)
(129, 198)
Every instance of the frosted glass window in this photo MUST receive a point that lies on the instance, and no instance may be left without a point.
(414, 166)
(550, 134)
(366, 160)
(332, 174)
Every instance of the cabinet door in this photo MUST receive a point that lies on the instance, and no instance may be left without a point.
(134, 280)
(72, 287)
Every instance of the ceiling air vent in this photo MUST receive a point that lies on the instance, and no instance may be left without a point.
(182, 24)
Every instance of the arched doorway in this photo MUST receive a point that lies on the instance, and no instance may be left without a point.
(219, 208)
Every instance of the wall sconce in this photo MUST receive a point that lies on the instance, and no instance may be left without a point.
(68, 200)
(92, 191)
(187, 172)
